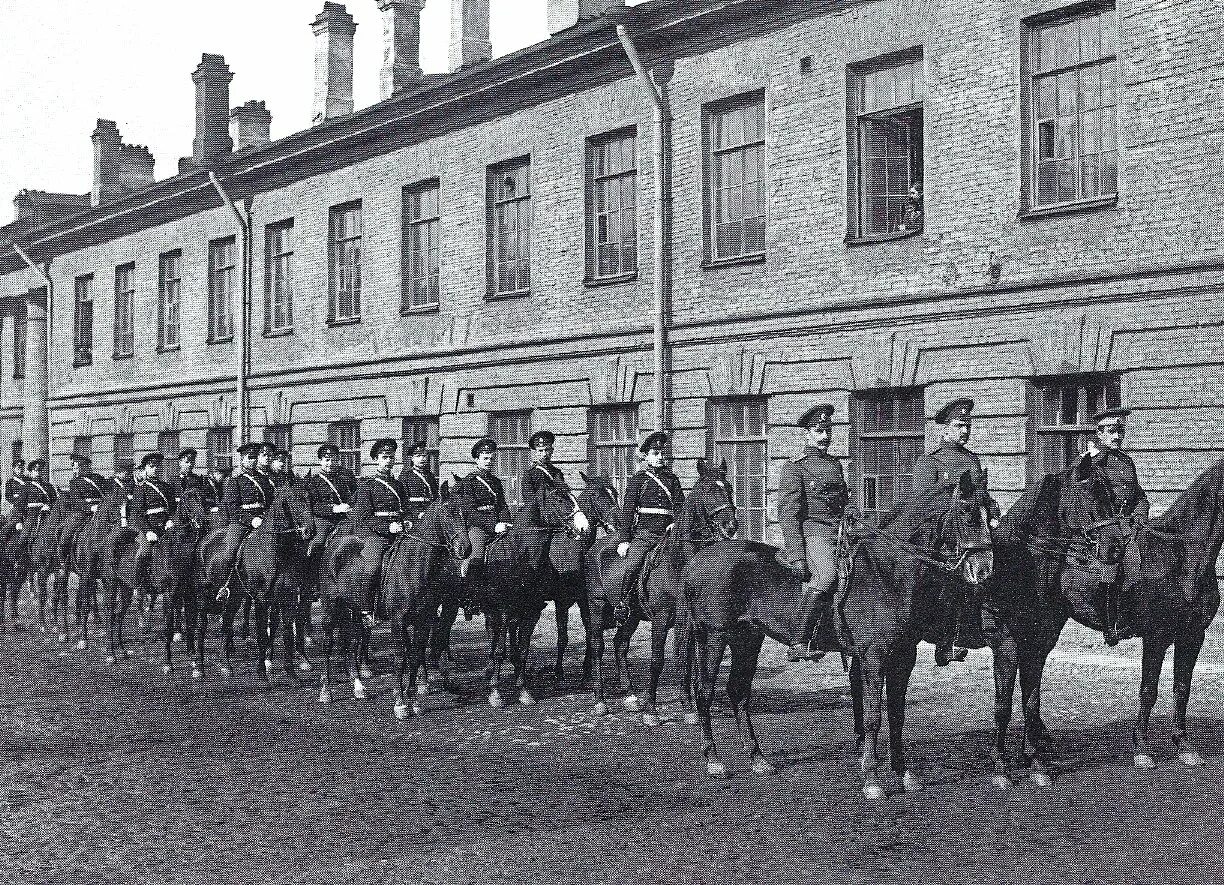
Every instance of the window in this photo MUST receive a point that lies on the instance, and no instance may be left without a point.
(279, 436)
(222, 267)
(422, 251)
(125, 309)
(511, 430)
(220, 445)
(18, 447)
(82, 323)
(735, 154)
(885, 140)
(83, 446)
(888, 437)
(346, 436)
(1071, 96)
(345, 249)
(170, 286)
(1061, 419)
(424, 430)
(737, 434)
(612, 206)
(168, 446)
(509, 246)
(612, 444)
(20, 318)
(278, 277)
(124, 448)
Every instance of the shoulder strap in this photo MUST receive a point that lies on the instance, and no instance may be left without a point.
(388, 487)
(335, 491)
(660, 484)
(486, 484)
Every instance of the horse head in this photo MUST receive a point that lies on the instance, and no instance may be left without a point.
(964, 534)
(557, 510)
(598, 501)
(710, 507)
(444, 525)
(290, 514)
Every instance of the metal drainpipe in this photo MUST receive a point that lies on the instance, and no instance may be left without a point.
(46, 278)
(244, 310)
(662, 197)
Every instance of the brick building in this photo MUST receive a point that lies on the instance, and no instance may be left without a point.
(479, 252)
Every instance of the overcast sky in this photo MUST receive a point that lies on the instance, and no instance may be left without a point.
(65, 63)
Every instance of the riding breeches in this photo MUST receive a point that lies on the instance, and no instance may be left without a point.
(367, 570)
(479, 537)
(72, 526)
(639, 550)
(820, 546)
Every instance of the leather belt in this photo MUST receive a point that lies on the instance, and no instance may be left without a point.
(655, 511)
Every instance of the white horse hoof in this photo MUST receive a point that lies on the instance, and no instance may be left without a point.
(651, 720)
(1191, 758)
(716, 768)
(325, 695)
(165, 669)
(1041, 779)
(130, 652)
(1002, 781)
(359, 690)
(110, 660)
(81, 645)
(873, 792)
(401, 711)
(268, 665)
(692, 719)
(761, 765)
(365, 673)
(422, 689)
(632, 704)
(912, 783)
(177, 637)
(226, 672)
(526, 698)
(495, 700)
(196, 673)
(601, 709)
(417, 709)
(305, 667)
(1144, 761)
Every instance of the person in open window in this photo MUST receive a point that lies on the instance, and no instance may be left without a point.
(484, 501)
(911, 213)
(653, 501)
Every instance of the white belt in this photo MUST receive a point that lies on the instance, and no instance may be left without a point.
(252, 506)
(655, 511)
(213, 509)
(485, 508)
(154, 510)
(418, 500)
(387, 513)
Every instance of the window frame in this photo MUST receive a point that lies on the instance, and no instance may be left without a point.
(272, 261)
(410, 227)
(279, 436)
(916, 398)
(493, 230)
(83, 445)
(417, 428)
(350, 456)
(168, 445)
(743, 507)
(124, 333)
(123, 445)
(710, 156)
(82, 321)
(335, 246)
(169, 300)
(215, 439)
(221, 304)
(624, 448)
(592, 217)
(519, 420)
(1110, 386)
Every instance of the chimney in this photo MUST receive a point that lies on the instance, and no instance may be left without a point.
(564, 14)
(212, 139)
(36, 208)
(469, 33)
(401, 65)
(250, 126)
(333, 95)
(119, 168)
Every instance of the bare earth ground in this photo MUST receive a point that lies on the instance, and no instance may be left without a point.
(123, 775)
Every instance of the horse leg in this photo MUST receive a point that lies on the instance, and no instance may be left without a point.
(595, 639)
(329, 642)
(245, 632)
(199, 632)
(1154, 650)
(711, 650)
(59, 593)
(82, 602)
(364, 634)
(522, 653)
(40, 591)
(658, 651)
(685, 651)
(1005, 655)
(495, 626)
(584, 615)
(620, 650)
(439, 641)
(745, 652)
(871, 675)
(399, 637)
(897, 676)
(1185, 653)
(856, 701)
(112, 613)
(1032, 666)
(227, 638)
(263, 640)
(561, 610)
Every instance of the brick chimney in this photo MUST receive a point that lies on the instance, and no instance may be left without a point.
(250, 126)
(333, 93)
(401, 65)
(212, 106)
(564, 14)
(469, 33)
(119, 168)
(35, 208)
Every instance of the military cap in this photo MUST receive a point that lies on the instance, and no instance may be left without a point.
(820, 415)
(1110, 417)
(277, 454)
(188, 453)
(328, 449)
(416, 448)
(250, 450)
(383, 445)
(957, 410)
(152, 458)
(483, 445)
(83, 460)
(224, 469)
(37, 464)
(541, 438)
(656, 440)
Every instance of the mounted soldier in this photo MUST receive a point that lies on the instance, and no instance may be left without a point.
(123, 481)
(212, 486)
(653, 501)
(86, 490)
(278, 469)
(13, 487)
(378, 517)
(484, 502)
(245, 499)
(942, 468)
(420, 484)
(544, 476)
(812, 498)
(34, 500)
(188, 480)
(1129, 499)
(152, 509)
(330, 492)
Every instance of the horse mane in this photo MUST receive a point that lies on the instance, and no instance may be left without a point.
(908, 518)
(1196, 519)
(1037, 510)
(1199, 496)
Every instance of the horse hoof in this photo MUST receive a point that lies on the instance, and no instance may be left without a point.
(1041, 779)
(526, 698)
(81, 645)
(495, 700)
(911, 783)
(1144, 761)
(325, 695)
(651, 720)
(761, 765)
(601, 709)
(1001, 781)
(166, 669)
(130, 652)
(692, 719)
(401, 711)
(177, 637)
(267, 665)
(308, 642)
(196, 673)
(366, 673)
(716, 768)
(873, 792)
(305, 666)
(226, 672)
(422, 689)
(417, 709)
(632, 704)
(110, 660)
(1190, 758)
(359, 690)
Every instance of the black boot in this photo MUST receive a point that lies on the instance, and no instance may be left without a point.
(811, 616)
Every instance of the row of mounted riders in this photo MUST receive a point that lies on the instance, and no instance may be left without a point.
(1061, 552)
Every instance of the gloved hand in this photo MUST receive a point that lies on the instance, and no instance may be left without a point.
(994, 523)
(19, 527)
(581, 523)
(501, 528)
(93, 508)
(341, 508)
(622, 549)
(44, 507)
(151, 537)
(395, 527)
(256, 522)
(169, 524)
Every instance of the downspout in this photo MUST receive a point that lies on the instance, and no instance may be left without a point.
(662, 199)
(46, 278)
(244, 310)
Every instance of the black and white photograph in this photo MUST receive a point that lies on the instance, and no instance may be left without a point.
(611, 442)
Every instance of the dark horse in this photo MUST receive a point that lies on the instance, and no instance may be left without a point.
(1060, 531)
(737, 591)
(47, 565)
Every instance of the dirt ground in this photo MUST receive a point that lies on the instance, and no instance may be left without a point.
(124, 775)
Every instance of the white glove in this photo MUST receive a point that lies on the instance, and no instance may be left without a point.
(169, 523)
(581, 522)
(256, 522)
(151, 537)
(622, 549)
(395, 527)
(994, 523)
(341, 508)
(93, 508)
(44, 507)
(501, 528)
(19, 527)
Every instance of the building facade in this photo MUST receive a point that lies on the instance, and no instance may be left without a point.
(883, 204)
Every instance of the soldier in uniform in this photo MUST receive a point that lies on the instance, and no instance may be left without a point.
(943, 468)
(188, 480)
(86, 490)
(653, 501)
(13, 487)
(1105, 449)
(544, 476)
(278, 469)
(246, 497)
(35, 499)
(330, 494)
(812, 497)
(420, 484)
(123, 482)
(378, 516)
(152, 508)
(211, 488)
(485, 502)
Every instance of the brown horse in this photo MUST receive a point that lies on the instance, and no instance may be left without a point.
(48, 566)
(14, 571)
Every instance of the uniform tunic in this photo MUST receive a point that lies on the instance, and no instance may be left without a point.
(537, 481)
(153, 505)
(422, 489)
(1129, 497)
(943, 467)
(378, 502)
(653, 500)
(812, 496)
(245, 498)
(33, 504)
(85, 493)
(12, 489)
(485, 500)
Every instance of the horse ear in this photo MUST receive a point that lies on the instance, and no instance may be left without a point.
(444, 490)
(723, 465)
(586, 479)
(702, 467)
(1083, 467)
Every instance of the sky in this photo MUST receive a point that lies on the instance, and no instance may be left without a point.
(66, 63)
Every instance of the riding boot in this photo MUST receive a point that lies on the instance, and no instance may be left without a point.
(620, 612)
(811, 611)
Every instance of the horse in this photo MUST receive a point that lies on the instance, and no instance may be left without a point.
(270, 570)
(14, 571)
(708, 513)
(736, 590)
(47, 565)
(88, 552)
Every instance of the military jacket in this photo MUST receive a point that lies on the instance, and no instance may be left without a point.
(378, 502)
(188, 482)
(210, 492)
(35, 496)
(246, 496)
(152, 504)
(12, 489)
(1128, 496)
(87, 492)
(421, 487)
(327, 490)
(485, 499)
(810, 488)
(944, 466)
(653, 500)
